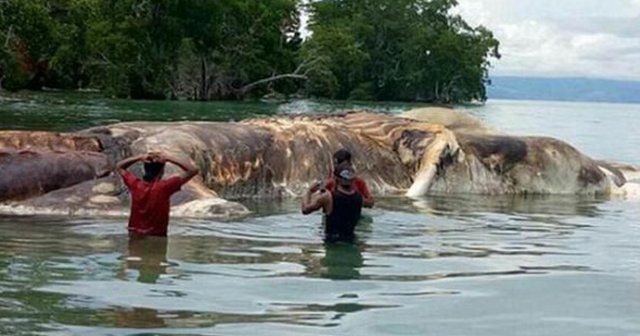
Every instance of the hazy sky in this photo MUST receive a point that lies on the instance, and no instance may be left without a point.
(593, 38)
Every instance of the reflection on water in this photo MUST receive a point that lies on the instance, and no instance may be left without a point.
(342, 261)
(443, 258)
(529, 204)
(147, 256)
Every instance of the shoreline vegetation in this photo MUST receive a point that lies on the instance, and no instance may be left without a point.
(387, 50)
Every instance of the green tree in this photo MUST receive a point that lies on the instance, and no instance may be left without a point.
(398, 50)
(132, 46)
(230, 49)
(230, 45)
(28, 43)
(196, 49)
(43, 43)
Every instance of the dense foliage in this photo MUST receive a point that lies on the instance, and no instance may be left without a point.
(197, 49)
(398, 50)
(228, 49)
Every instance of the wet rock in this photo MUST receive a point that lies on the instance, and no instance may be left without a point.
(105, 189)
(216, 208)
(103, 199)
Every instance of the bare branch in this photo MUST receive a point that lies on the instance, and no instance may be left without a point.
(245, 89)
(307, 65)
(106, 60)
(300, 72)
(8, 36)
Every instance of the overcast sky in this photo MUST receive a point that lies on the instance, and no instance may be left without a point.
(592, 38)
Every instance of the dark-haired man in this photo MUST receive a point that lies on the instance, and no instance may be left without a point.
(342, 206)
(150, 196)
(344, 156)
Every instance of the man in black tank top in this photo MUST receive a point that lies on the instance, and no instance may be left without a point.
(342, 207)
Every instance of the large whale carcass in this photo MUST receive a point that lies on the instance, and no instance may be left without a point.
(418, 154)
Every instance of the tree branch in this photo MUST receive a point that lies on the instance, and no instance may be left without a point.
(105, 59)
(247, 88)
(307, 65)
(8, 37)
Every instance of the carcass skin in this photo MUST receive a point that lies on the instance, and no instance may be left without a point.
(419, 154)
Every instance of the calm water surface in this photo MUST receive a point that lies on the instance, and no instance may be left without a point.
(458, 265)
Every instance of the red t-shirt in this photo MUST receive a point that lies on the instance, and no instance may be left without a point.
(358, 184)
(150, 204)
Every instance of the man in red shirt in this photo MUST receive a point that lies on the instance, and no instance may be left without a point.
(360, 186)
(150, 196)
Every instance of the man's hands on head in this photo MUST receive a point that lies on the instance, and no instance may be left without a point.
(155, 157)
(189, 170)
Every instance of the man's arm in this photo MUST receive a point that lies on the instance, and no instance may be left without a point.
(311, 202)
(368, 202)
(367, 197)
(121, 167)
(189, 170)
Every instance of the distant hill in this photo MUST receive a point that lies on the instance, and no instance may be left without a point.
(564, 89)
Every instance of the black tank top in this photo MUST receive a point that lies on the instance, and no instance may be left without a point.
(340, 224)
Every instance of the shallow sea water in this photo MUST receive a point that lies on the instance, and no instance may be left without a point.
(454, 265)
